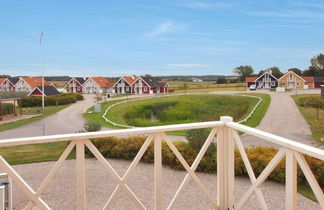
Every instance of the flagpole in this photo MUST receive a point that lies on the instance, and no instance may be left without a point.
(42, 64)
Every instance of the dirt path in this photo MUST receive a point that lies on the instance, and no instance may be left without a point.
(68, 120)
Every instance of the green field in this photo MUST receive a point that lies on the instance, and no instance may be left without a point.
(314, 116)
(117, 114)
(49, 110)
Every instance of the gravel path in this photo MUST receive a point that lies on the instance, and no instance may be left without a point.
(60, 194)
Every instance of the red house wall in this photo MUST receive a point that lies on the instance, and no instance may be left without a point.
(36, 93)
(77, 85)
(11, 87)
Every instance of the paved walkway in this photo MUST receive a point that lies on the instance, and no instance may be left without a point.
(283, 118)
(60, 194)
(68, 120)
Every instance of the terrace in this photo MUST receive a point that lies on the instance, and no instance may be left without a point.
(227, 138)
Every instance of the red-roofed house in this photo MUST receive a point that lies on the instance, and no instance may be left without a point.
(124, 85)
(6, 85)
(75, 85)
(27, 84)
(250, 81)
(97, 85)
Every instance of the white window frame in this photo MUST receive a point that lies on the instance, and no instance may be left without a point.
(145, 89)
(297, 83)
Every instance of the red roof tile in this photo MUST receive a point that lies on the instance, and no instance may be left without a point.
(309, 79)
(250, 79)
(130, 80)
(2, 80)
(102, 81)
(36, 81)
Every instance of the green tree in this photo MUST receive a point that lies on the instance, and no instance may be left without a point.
(243, 72)
(296, 70)
(221, 80)
(318, 62)
(276, 72)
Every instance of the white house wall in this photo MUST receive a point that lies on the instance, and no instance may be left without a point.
(91, 87)
(22, 86)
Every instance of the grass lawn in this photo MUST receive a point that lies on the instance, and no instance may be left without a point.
(211, 89)
(310, 115)
(259, 113)
(190, 82)
(34, 153)
(49, 110)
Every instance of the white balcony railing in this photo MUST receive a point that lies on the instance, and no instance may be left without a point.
(227, 138)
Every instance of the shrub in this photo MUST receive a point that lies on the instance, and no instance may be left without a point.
(312, 101)
(259, 157)
(90, 126)
(64, 99)
(7, 108)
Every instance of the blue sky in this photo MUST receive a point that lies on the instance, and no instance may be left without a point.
(179, 37)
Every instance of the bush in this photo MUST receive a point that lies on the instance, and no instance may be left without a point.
(312, 101)
(259, 157)
(90, 126)
(7, 108)
(64, 99)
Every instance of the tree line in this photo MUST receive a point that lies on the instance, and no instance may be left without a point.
(315, 69)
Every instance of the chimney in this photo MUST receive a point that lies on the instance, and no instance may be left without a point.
(133, 77)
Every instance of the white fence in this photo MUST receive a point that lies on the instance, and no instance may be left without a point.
(227, 138)
(104, 116)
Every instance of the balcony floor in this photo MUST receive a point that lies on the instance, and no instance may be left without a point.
(60, 194)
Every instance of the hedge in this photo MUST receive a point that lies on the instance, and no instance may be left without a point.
(312, 101)
(63, 99)
(7, 108)
(259, 157)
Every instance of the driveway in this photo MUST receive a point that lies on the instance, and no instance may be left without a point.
(68, 120)
(283, 118)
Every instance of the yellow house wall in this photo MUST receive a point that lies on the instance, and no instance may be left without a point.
(283, 82)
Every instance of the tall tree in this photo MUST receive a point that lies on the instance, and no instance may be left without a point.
(276, 72)
(318, 61)
(296, 70)
(243, 72)
(317, 66)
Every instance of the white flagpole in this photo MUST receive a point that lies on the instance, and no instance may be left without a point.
(42, 63)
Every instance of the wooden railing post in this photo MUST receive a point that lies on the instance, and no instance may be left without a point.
(225, 166)
(291, 180)
(80, 175)
(158, 171)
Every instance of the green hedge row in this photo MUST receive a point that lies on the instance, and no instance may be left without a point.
(259, 157)
(312, 101)
(7, 108)
(63, 99)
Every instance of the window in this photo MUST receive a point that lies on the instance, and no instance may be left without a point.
(145, 89)
(290, 77)
(297, 83)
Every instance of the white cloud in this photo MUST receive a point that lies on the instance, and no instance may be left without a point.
(187, 65)
(288, 14)
(204, 4)
(160, 29)
(318, 5)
